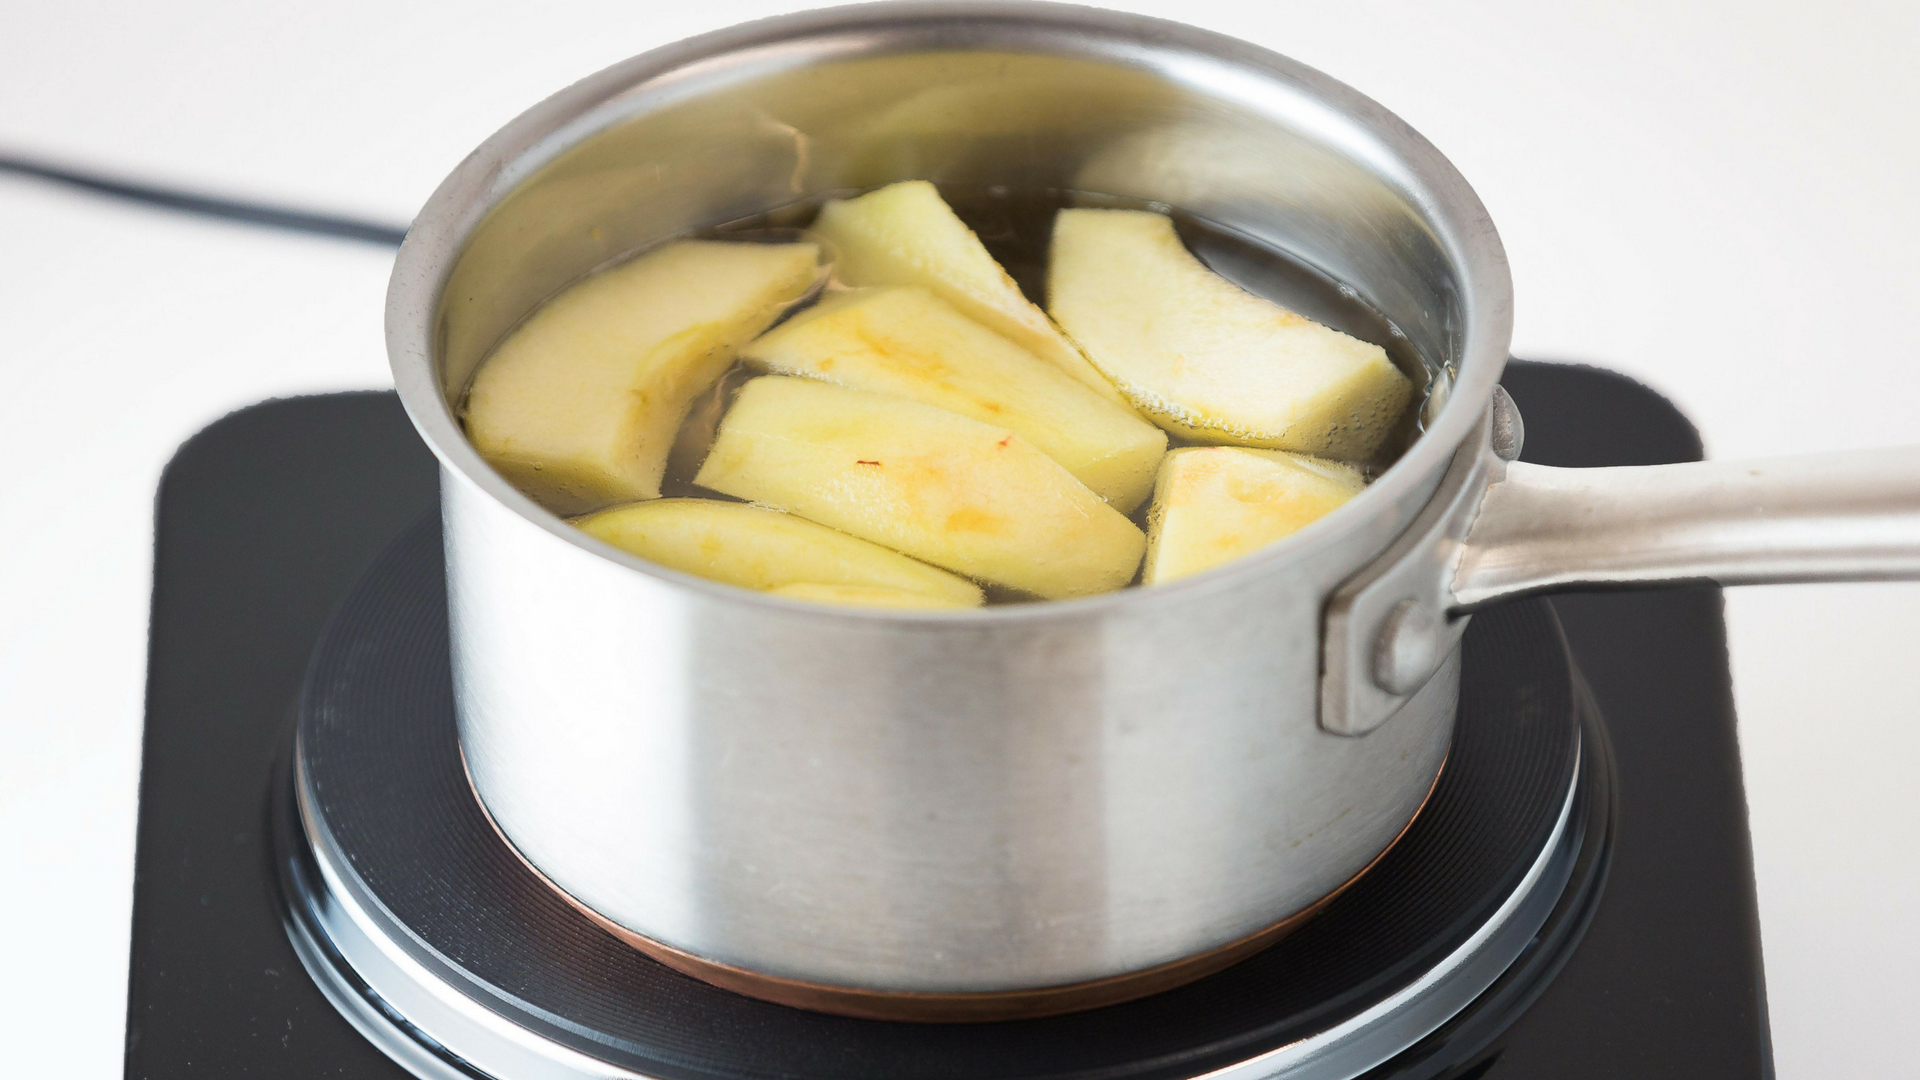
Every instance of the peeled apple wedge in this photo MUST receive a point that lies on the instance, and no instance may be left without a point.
(1213, 504)
(908, 342)
(941, 487)
(579, 405)
(858, 596)
(758, 548)
(906, 234)
(1206, 359)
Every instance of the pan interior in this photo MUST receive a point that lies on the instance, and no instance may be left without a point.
(1261, 153)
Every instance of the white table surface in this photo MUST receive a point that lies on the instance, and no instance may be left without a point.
(1715, 197)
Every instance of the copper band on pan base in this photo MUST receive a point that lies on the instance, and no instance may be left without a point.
(956, 1008)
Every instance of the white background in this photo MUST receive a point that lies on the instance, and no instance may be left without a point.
(1716, 197)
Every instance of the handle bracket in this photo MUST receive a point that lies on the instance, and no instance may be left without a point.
(1388, 629)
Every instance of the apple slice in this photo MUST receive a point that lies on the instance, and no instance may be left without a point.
(1207, 360)
(578, 407)
(906, 234)
(945, 488)
(861, 596)
(908, 342)
(1213, 504)
(758, 548)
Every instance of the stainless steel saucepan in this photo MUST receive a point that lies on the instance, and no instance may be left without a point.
(1022, 808)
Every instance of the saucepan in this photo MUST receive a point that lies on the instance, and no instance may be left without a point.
(1021, 808)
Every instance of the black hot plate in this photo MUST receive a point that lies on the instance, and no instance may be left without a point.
(267, 518)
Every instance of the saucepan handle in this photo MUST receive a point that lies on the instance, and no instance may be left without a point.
(1852, 516)
(1499, 528)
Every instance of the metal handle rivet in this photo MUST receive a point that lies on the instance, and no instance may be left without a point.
(1408, 648)
(1508, 434)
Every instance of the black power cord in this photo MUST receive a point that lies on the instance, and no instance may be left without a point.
(266, 215)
